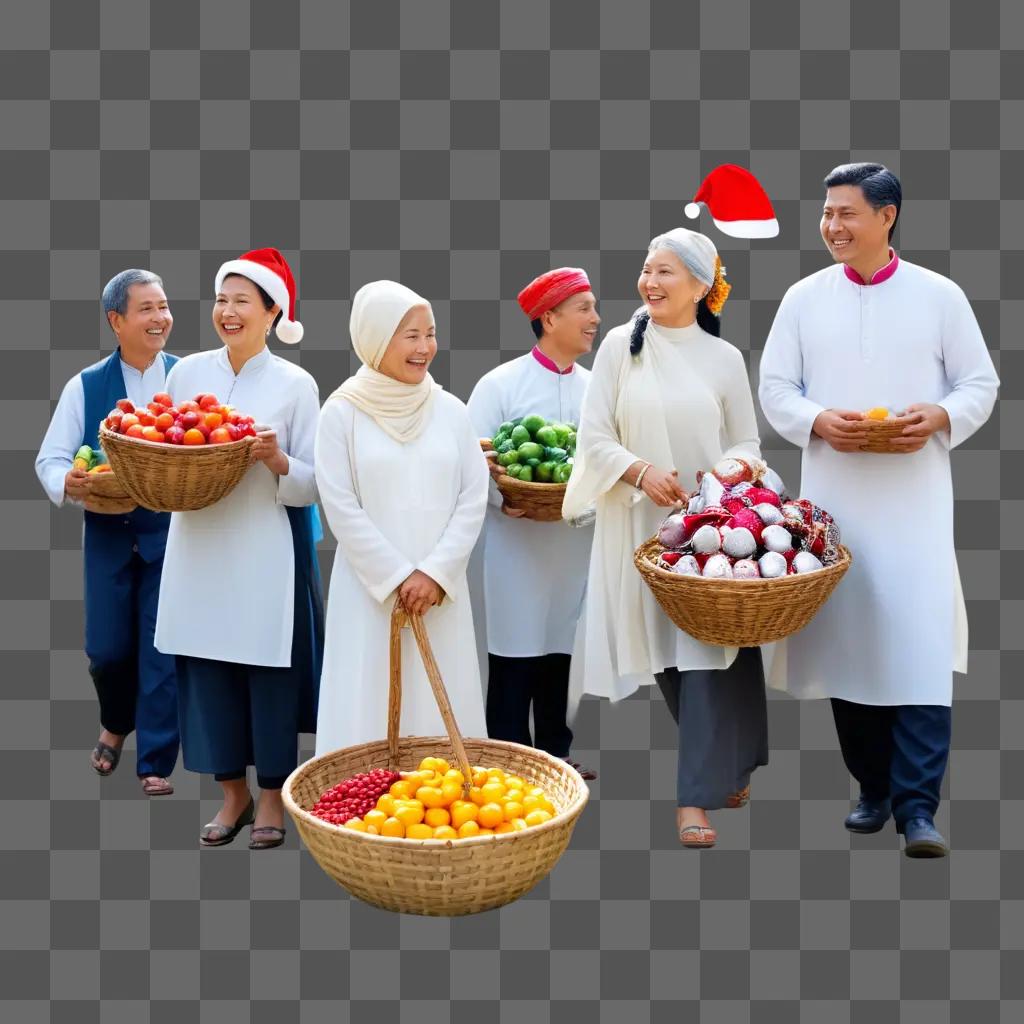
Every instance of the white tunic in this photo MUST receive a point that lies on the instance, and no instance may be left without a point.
(894, 629)
(534, 573)
(227, 589)
(683, 404)
(395, 508)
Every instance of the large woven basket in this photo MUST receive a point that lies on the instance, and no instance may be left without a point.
(176, 478)
(438, 877)
(108, 496)
(539, 501)
(880, 433)
(739, 613)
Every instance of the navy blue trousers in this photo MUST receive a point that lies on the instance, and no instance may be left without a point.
(897, 752)
(513, 685)
(134, 682)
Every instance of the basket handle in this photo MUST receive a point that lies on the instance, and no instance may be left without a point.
(400, 618)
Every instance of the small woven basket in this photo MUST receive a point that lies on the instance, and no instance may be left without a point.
(539, 501)
(176, 478)
(107, 496)
(739, 613)
(437, 877)
(880, 433)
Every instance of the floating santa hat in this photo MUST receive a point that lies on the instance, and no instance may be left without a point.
(738, 204)
(270, 270)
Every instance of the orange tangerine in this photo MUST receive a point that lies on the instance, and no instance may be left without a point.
(386, 804)
(513, 810)
(468, 829)
(492, 792)
(479, 775)
(419, 832)
(878, 413)
(430, 796)
(373, 830)
(402, 789)
(514, 782)
(537, 817)
(393, 828)
(375, 818)
(531, 803)
(463, 811)
(445, 832)
(356, 824)
(410, 813)
(491, 815)
(496, 773)
(505, 826)
(486, 831)
(436, 817)
(519, 824)
(514, 796)
(455, 775)
(476, 794)
(451, 790)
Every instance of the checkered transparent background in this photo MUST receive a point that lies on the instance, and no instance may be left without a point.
(462, 148)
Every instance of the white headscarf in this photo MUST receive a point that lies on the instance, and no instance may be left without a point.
(400, 410)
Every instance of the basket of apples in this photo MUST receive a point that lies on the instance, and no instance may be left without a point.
(178, 457)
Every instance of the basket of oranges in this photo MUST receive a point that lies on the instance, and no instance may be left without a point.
(882, 425)
(177, 457)
(442, 826)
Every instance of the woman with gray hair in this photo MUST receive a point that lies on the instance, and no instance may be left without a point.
(667, 398)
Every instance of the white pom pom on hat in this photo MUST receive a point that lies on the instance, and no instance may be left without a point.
(270, 270)
(737, 202)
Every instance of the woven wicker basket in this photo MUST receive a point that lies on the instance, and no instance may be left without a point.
(880, 433)
(438, 877)
(739, 613)
(176, 478)
(107, 495)
(540, 502)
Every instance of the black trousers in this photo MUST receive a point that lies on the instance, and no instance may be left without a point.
(514, 685)
(897, 752)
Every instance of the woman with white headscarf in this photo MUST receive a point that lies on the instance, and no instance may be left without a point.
(667, 398)
(404, 485)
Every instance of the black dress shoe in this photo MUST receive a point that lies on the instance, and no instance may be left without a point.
(868, 816)
(922, 839)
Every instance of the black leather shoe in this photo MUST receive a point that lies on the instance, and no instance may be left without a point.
(868, 816)
(922, 839)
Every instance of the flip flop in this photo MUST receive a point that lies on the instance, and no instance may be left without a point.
(216, 834)
(103, 752)
(738, 799)
(704, 837)
(155, 785)
(276, 837)
(588, 773)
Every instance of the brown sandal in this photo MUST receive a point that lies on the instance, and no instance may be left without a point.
(703, 836)
(738, 799)
(155, 785)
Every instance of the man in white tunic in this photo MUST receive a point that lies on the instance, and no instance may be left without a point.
(872, 331)
(535, 573)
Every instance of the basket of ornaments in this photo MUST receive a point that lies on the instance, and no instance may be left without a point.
(434, 825)
(743, 564)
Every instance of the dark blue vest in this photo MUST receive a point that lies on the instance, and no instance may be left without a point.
(103, 385)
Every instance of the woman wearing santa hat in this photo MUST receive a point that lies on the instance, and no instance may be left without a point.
(667, 398)
(240, 600)
(404, 486)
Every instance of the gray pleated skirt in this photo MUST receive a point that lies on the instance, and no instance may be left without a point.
(723, 728)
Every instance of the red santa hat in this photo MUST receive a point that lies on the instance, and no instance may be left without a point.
(548, 290)
(738, 204)
(269, 269)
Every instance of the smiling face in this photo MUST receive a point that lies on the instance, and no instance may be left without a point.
(142, 331)
(412, 347)
(852, 228)
(668, 289)
(240, 316)
(572, 325)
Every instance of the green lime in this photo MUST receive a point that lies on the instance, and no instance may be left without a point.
(531, 450)
(526, 474)
(520, 435)
(533, 422)
(547, 436)
(545, 472)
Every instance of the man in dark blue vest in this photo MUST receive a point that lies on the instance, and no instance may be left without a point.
(124, 552)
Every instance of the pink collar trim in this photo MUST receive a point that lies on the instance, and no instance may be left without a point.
(550, 364)
(879, 275)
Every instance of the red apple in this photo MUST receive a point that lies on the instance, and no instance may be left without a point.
(232, 430)
(128, 420)
(219, 435)
(124, 405)
(204, 430)
(189, 419)
(208, 402)
(174, 435)
(163, 398)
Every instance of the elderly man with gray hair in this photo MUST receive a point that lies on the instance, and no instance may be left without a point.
(123, 551)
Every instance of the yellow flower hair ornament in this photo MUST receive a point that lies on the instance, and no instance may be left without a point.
(719, 290)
